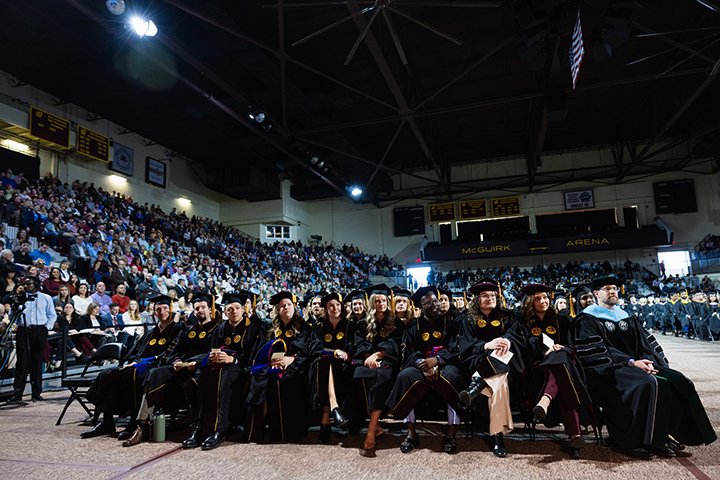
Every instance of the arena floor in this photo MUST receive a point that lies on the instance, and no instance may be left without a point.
(32, 447)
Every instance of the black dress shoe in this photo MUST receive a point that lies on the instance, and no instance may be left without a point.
(99, 431)
(664, 452)
(449, 445)
(499, 449)
(213, 441)
(410, 443)
(193, 441)
(639, 453)
(126, 433)
(324, 437)
(37, 398)
(575, 453)
(340, 420)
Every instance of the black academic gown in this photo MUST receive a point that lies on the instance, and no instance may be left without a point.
(164, 382)
(222, 387)
(713, 319)
(639, 409)
(325, 340)
(374, 384)
(572, 391)
(424, 339)
(475, 332)
(282, 393)
(119, 390)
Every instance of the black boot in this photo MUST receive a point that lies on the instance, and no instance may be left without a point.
(499, 449)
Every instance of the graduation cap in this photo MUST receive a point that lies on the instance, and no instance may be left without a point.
(161, 299)
(599, 282)
(240, 296)
(356, 295)
(275, 299)
(422, 291)
(401, 292)
(380, 289)
(202, 297)
(533, 288)
(444, 291)
(331, 296)
(485, 285)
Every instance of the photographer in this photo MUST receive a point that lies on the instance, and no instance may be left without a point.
(38, 317)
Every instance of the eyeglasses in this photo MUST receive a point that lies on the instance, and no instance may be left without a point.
(487, 296)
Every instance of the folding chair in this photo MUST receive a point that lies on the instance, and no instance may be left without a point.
(79, 384)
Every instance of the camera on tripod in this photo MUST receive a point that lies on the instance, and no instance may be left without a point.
(21, 298)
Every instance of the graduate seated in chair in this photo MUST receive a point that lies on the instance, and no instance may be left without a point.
(278, 393)
(649, 408)
(490, 343)
(119, 390)
(430, 364)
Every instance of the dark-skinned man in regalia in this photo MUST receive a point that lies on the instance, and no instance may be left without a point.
(430, 364)
(649, 409)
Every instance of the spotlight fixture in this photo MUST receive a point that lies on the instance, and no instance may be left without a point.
(321, 164)
(16, 146)
(256, 115)
(142, 27)
(355, 191)
(314, 159)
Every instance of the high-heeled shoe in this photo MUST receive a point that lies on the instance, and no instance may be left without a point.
(340, 420)
(540, 410)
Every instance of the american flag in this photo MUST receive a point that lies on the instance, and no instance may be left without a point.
(577, 51)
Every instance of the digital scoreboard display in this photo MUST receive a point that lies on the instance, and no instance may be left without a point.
(442, 212)
(473, 209)
(93, 145)
(49, 127)
(506, 206)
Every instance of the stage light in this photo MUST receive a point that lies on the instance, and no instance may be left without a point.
(321, 164)
(117, 179)
(314, 159)
(13, 145)
(184, 202)
(356, 191)
(142, 27)
(260, 117)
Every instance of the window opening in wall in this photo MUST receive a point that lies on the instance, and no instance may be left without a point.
(675, 262)
(277, 232)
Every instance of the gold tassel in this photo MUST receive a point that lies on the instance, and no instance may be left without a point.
(572, 306)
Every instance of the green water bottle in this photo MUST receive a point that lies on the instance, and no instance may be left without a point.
(159, 427)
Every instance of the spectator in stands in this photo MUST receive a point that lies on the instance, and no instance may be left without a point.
(65, 272)
(7, 280)
(62, 299)
(101, 298)
(79, 256)
(120, 298)
(20, 238)
(22, 256)
(52, 284)
(82, 299)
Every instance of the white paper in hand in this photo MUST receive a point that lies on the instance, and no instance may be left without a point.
(549, 342)
(504, 358)
(277, 356)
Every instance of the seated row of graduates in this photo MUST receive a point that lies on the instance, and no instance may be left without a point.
(270, 377)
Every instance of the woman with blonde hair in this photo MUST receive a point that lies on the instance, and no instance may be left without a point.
(377, 350)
